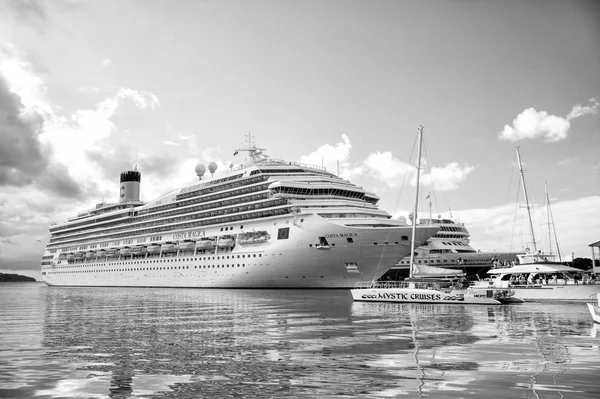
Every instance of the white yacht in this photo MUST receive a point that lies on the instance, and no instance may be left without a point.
(266, 223)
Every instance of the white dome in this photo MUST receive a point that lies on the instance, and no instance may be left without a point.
(212, 167)
(200, 169)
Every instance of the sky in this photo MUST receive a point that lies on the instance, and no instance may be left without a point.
(89, 89)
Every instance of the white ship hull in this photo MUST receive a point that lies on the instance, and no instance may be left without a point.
(568, 292)
(295, 261)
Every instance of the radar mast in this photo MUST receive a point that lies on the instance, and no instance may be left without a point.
(255, 154)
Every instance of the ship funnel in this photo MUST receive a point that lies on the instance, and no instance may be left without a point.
(130, 186)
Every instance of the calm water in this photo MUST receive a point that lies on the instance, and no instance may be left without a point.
(186, 343)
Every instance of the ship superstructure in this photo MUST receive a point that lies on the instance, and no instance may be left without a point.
(266, 223)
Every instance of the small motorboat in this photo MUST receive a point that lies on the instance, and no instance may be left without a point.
(594, 307)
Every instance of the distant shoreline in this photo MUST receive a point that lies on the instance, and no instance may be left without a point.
(15, 278)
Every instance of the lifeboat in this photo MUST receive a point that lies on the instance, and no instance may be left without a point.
(225, 242)
(111, 253)
(168, 247)
(90, 254)
(79, 255)
(254, 237)
(187, 245)
(124, 251)
(153, 248)
(62, 255)
(205, 244)
(101, 253)
(137, 250)
(70, 256)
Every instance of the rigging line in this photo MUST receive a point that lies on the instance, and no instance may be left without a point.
(506, 203)
(512, 236)
(405, 178)
(428, 168)
(553, 228)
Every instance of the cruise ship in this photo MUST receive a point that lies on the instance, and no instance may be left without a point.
(450, 248)
(268, 223)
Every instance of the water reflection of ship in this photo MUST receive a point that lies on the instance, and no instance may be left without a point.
(126, 341)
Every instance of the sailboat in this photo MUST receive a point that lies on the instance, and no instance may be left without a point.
(426, 290)
(539, 276)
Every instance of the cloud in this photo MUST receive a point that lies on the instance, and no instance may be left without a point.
(500, 229)
(107, 62)
(28, 11)
(383, 171)
(49, 162)
(384, 168)
(21, 155)
(580, 110)
(142, 99)
(329, 155)
(533, 124)
(447, 178)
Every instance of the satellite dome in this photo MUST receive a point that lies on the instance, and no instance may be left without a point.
(200, 169)
(212, 167)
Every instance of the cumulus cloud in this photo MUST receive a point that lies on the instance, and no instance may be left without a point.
(329, 155)
(384, 171)
(383, 167)
(107, 62)
(447, 178)
(533, 124)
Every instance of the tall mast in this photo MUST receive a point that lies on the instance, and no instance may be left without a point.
(414, 226)
(526, 201)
